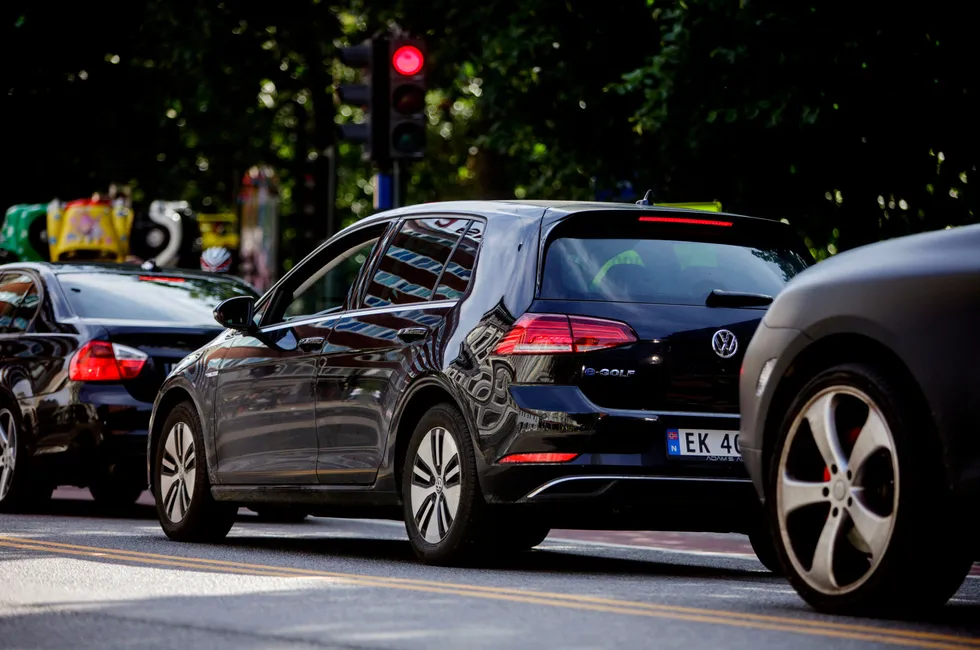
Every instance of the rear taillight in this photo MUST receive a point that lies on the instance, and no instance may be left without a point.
(561, 334)
(103, 361)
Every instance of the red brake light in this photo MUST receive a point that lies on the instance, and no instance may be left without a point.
(407, 60)
(693, 222)
(539, 458)
(160, 278)
(103, 361)
(560, 334)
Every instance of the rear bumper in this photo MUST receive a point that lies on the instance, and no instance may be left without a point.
(86, 429)
(623, 476)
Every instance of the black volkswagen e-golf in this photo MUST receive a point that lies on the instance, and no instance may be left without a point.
(485, 371)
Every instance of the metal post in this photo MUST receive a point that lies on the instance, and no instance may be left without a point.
(332, 225)
(398, 191)
(384, 194)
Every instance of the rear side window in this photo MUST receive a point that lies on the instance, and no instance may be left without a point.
(411, 265)
(459, 271)
(126, 296)
(647, 262)
(19, 301)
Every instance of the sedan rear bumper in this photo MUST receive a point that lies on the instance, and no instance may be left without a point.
(86, 429)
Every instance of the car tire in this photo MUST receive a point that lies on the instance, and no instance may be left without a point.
(765, 549)
(280, 514)
(19, 490)
(182, 489)
(115, 491)
(900, 569)
(440, 469)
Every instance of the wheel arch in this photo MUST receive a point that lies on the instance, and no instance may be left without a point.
(829, 351)
(423, 395)
(166, 403)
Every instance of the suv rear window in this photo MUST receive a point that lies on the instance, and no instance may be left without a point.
(129, 296)
(669, 264)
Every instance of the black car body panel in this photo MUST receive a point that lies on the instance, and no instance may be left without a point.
(76, 428)
(288, 422)
(917, 299)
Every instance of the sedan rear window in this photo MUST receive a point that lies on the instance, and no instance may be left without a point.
(126, 296)
(669, 266)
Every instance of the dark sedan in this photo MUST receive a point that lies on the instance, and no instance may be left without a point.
(485, 371)
(860, 401)
(83, 350)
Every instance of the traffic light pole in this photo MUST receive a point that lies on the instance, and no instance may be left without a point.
(384, 190)
(398, 185)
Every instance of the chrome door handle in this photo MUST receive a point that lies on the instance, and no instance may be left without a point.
(410, 334)
(311, 344)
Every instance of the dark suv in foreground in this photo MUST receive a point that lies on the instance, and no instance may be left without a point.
(485, 371)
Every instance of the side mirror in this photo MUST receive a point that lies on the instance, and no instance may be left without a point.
(236, 313)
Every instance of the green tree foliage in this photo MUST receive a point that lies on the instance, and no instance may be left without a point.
(852, 123)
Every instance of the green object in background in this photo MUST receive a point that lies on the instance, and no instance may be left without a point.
(23, 233)
(710, 206)
(626, 257)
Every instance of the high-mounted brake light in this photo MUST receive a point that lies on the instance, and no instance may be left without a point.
(161, 278)
(685, 220)
(561, 334)
(539, 458)
(104, 361)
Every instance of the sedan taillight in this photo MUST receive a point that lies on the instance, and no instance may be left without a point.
(104, 361)
(561, 334)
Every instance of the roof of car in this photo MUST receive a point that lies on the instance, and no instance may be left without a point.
(63, 268)
(541, 208)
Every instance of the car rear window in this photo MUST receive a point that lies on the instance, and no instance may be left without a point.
(666, 263)
(129, 296)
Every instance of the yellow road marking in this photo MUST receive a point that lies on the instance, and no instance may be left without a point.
(895, 636)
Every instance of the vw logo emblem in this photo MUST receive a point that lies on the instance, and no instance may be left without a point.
(724, 344)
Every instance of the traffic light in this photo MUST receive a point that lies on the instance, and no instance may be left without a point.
(392, 93)
(361, 95)
(406, 98)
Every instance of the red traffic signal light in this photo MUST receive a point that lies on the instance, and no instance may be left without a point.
(408, 60)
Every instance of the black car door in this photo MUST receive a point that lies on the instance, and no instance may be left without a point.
(393, 334)
(265, 406)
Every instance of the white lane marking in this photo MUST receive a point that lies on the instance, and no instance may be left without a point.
(659, 549)
(552, 542)
(767, 590)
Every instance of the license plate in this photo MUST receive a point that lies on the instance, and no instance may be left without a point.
(704, 444)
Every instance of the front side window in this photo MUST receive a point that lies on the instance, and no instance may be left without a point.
(322, 285)
(413, 262)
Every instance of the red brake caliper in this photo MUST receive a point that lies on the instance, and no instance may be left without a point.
(851, 438)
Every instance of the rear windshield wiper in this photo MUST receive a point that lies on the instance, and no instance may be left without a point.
(719, 298)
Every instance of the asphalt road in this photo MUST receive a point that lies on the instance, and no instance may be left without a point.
(77, 578)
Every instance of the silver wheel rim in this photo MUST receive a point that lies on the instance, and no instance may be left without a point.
(860, 498)
(435, 485)
(177, 472)
(8, 451)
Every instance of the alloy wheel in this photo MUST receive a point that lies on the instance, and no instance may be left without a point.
(837, 490)
(436, 484)
(177, 472)
(8, 451)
